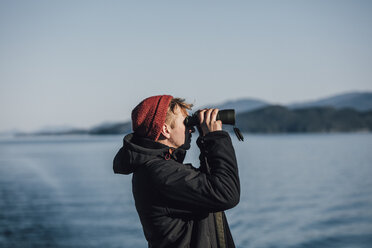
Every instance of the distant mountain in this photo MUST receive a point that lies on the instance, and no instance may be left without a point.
(279, 119)
(111, 128)
(10, 132)
(71, 131)
(105, 128)
(361, 101)
(341, 113)
(57, 129)
(240, 105)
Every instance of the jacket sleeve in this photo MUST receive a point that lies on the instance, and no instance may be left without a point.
(188, 188)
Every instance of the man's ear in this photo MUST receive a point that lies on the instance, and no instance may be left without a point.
(165, 131)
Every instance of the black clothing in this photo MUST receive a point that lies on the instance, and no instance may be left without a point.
(178, 203)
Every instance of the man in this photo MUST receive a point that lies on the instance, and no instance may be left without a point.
(179, 205)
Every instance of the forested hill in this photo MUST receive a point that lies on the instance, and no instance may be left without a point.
(279, 119)
(271, 119)
(347, 112)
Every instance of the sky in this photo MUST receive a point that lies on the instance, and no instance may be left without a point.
(84, 63)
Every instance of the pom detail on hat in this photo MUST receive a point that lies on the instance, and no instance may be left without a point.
(149, 116)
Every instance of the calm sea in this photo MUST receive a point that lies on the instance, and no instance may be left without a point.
(297, 191)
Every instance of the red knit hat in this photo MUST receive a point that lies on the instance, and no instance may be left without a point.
(148, 117)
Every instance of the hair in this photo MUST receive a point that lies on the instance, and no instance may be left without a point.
(176, 103)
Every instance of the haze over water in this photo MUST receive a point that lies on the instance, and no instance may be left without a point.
(297, 191)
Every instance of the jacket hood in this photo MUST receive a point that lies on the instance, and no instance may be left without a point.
(137, 151)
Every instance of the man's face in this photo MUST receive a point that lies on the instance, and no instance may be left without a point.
(177, 133)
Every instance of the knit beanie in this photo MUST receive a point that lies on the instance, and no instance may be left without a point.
(148, 117)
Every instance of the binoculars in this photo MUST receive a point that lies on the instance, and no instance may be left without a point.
(226, 116)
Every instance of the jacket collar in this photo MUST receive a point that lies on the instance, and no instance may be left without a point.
(159, 149)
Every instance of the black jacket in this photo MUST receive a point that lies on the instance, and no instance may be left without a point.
(180, 205)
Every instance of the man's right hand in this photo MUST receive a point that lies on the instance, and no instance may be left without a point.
(208, 122)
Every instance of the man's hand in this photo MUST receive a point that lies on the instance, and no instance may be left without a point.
(207, 120)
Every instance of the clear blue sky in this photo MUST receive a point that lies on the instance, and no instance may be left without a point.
(81, 63)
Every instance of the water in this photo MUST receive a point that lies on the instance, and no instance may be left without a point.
(297, 191)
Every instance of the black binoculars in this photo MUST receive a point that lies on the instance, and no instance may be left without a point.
(226, 116)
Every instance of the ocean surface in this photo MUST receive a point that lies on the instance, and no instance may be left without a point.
(301, 190)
